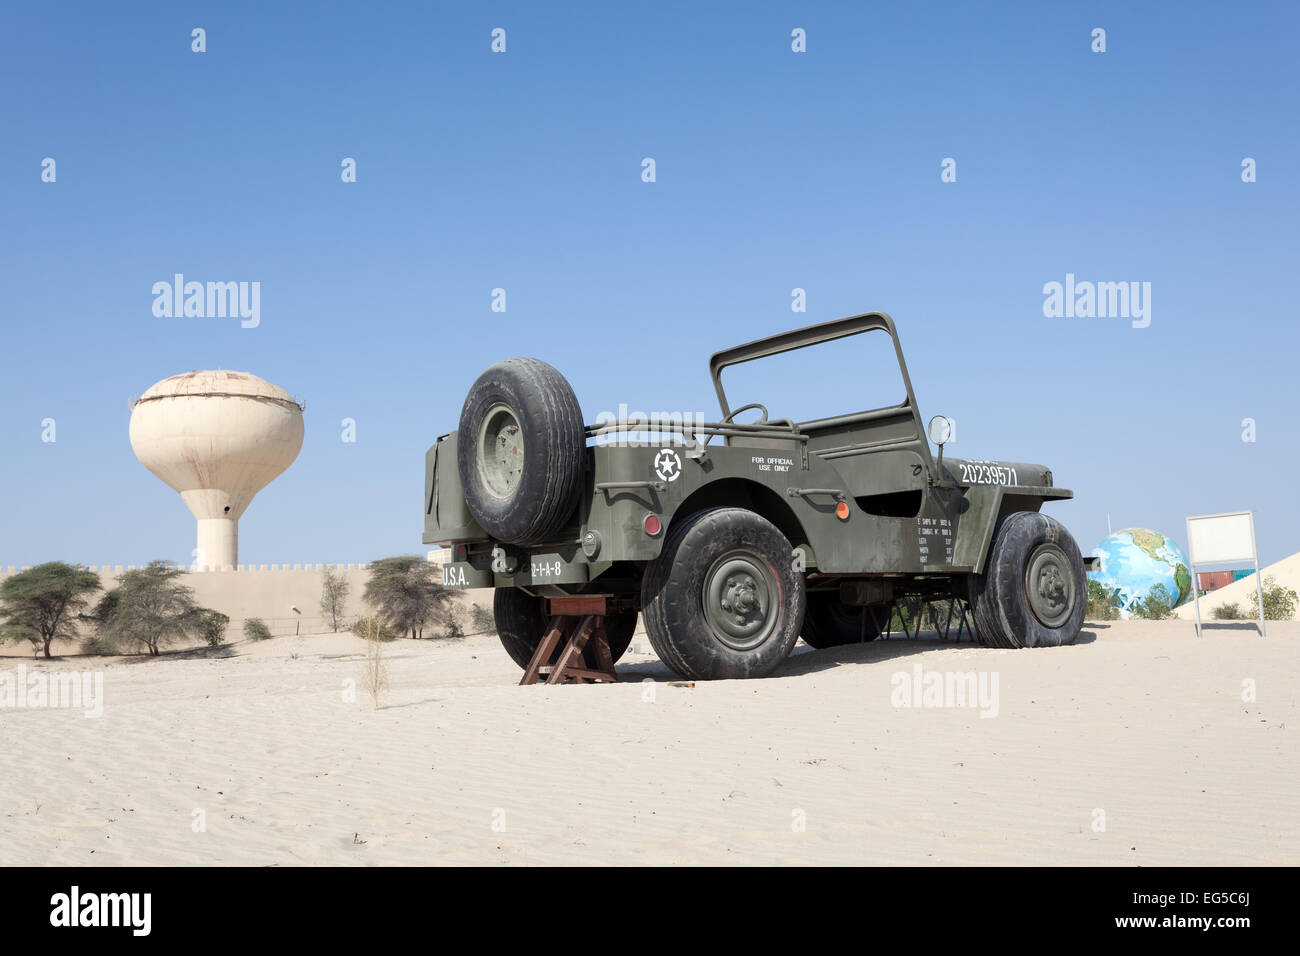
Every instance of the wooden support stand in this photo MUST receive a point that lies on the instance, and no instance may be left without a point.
(572, 634)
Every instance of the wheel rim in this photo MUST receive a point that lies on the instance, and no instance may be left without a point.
(1049, 585)
(501, 451)
(740, 600)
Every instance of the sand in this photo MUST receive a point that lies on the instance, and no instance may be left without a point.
(1140, 721)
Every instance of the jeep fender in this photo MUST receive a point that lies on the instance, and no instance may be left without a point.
(984, 505)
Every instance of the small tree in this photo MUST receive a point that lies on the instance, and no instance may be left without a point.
(255, 629)
(334, 589)
(149, 608)
(45, 602)
(212, 626)
(1103, 602)
(407, 592)
(1156, 606)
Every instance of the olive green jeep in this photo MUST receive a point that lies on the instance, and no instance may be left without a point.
(735, 539)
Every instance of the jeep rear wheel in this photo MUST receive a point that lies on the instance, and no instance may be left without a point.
(722, 600)
(830, 622)
(1032, 592)
(521, 625)
(521, 445)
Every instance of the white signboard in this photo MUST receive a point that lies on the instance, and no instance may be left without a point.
(1221, 539)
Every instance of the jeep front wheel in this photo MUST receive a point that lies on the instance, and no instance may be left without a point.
(723, 600)
(1032, 592)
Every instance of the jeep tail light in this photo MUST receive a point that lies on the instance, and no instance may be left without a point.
(652, 525)
(842, 511)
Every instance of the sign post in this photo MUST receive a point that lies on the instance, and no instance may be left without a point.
(1224, 539)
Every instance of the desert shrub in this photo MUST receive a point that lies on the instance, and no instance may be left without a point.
(374, 674)
(1103, 603)
(1156, 606)
(98, 645)
(1228, 612)
(373, 628)
(1279, 604)
(904, 615)
(255, 629)
(1279, 601)
(943, 614)
(453, 622)
(212, 626)
(481, 619)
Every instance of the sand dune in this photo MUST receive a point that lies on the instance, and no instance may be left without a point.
(460, 766)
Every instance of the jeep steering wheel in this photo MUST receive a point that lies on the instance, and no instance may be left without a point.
(744, 408)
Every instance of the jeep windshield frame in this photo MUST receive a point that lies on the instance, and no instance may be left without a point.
(817, 335)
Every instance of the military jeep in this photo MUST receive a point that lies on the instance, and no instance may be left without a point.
(734, 539)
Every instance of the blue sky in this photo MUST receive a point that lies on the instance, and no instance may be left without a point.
(522, 170)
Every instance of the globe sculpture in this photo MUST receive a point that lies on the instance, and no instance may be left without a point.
(1134, 561)
(217, 437)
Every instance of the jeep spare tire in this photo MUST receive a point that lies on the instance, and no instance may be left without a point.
(521, 443)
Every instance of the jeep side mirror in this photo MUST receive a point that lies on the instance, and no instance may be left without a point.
(940, 430)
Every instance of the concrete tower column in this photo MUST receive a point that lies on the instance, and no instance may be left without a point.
(218, 544)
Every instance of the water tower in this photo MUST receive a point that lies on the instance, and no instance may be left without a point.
(218, 438)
